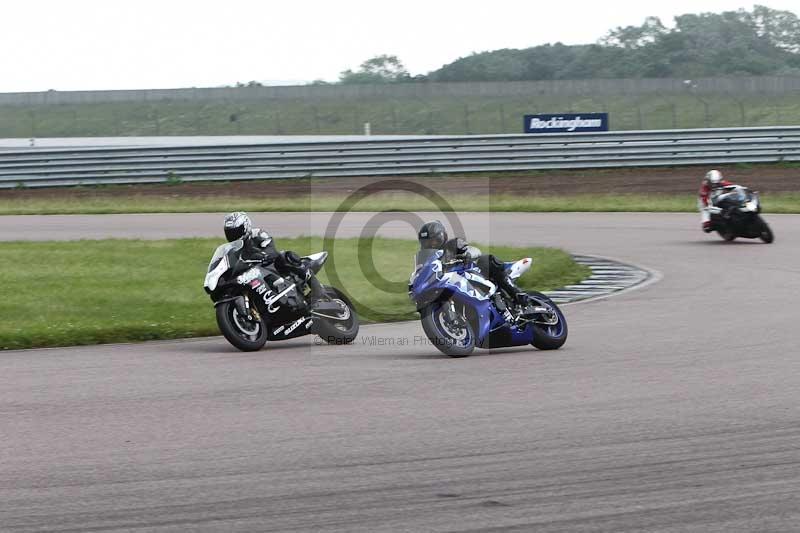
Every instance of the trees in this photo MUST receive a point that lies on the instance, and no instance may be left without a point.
(633, 37)
(379, 69)
(758, 42)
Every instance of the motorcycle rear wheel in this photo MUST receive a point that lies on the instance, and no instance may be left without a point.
(548, 336)
(248, 336)
(338, 331)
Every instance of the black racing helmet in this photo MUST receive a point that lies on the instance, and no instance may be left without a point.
(432, 235)
(236, 225)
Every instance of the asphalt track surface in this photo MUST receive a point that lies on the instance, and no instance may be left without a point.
(675, 407)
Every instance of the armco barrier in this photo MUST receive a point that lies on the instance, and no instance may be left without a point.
(47, 167)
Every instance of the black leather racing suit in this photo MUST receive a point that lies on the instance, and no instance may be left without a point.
(259, 245)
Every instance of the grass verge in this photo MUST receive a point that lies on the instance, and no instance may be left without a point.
(90, 292)
(772, 202)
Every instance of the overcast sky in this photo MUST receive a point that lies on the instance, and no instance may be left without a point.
(126, 44)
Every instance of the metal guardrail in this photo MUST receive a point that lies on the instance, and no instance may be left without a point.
(48, 167)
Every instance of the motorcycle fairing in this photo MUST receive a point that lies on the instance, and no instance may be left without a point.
(516, 269)
(315, 261)
(220, 263)
(429, 283)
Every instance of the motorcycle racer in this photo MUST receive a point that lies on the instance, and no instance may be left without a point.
(259, 245)
(433, 235)
(712, 183)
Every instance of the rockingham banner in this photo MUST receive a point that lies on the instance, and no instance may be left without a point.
(566, 123)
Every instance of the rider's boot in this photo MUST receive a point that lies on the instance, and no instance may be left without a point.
(522, 305)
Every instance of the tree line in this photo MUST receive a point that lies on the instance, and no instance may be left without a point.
(759, 42)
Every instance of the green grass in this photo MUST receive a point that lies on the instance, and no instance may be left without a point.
(88, 292)
(439, 115)
(772, 202)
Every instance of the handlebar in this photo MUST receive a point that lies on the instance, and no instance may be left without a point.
(456, 260)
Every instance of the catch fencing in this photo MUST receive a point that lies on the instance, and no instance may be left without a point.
(740, 85)
(48, 167)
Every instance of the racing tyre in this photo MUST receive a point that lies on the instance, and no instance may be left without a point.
(551, 332)
(343, 330)
(452, 338)
(246, 335)
(766, 234)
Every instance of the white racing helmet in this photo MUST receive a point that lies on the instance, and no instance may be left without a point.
(714, 178)
(236, 225)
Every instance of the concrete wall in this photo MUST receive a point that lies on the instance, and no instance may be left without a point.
(768, 85)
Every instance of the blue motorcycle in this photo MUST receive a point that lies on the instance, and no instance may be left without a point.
(460, 309)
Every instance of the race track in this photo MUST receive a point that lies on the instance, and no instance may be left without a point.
(675, 407)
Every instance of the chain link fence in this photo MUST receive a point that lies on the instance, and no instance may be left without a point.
(402, 116)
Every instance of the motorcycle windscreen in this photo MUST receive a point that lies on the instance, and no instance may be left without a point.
(731, 197)
(219, 263)
(425, 255)
(222, 250)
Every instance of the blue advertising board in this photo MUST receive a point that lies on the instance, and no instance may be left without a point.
(566, 123)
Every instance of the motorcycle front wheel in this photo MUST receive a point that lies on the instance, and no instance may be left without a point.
(246, 335)
(452, 335)
(766, 234)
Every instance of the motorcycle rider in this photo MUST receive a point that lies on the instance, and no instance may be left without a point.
(713, 182)
(259, 246)
(433, 236)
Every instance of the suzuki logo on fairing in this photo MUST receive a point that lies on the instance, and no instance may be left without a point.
(294, 326)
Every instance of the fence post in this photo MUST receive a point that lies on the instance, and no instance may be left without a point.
(777, 112)
(502, 119)
(32, 116)
(674, 110)
(742, 113)
(466, 120)
(316, 119)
